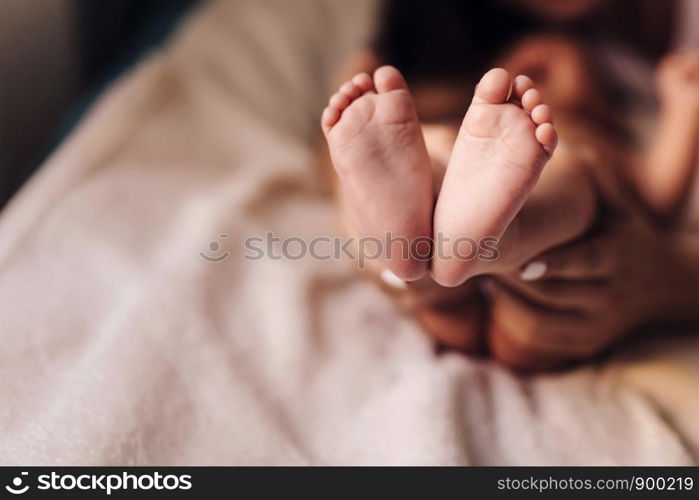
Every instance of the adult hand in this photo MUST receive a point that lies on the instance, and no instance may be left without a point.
(575, 301)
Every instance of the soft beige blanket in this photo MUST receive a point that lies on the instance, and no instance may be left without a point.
(122, 345)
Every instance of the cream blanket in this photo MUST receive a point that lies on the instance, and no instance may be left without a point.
(121, 345)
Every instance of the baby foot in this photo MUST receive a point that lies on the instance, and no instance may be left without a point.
(502, 146)
(378, 151)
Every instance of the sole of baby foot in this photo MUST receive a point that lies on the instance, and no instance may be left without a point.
(376, 146)
(506, 138)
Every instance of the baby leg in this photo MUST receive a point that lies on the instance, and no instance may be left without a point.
(378, 151)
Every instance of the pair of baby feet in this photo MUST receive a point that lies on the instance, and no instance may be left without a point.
(377, 148)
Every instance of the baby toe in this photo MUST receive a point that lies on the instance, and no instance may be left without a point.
(547, 137)
(531, 99)
(388, 78)
(520, 85)
(542, 114)
(330, 117)
(494, 88)
(350, 90)
(363, 81)
(339, 101)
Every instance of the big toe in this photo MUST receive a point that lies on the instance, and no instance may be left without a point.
(387, 78)
(494, 88)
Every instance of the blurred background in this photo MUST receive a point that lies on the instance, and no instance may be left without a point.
(56, 56)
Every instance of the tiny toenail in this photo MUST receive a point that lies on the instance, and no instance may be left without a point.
(388, 277)
(533, 271)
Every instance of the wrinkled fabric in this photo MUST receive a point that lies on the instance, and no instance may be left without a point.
(122, 345)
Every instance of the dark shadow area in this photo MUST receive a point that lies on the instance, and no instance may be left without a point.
(101, 40)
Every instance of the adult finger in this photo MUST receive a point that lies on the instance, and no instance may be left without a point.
(559, 209)
(587, 259)
(458, 326)
(559, 295)
(533, 328)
